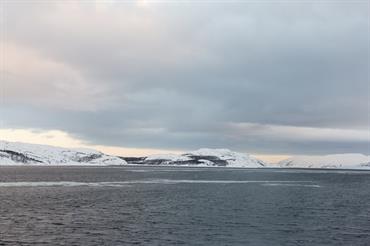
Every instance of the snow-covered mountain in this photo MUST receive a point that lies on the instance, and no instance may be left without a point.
(201, 157)
(13, 153)
(232, 159)
(350, 161)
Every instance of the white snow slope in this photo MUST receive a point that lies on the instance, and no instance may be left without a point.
(350, 161)
(14, 153)
(233, 159)
(169, 157)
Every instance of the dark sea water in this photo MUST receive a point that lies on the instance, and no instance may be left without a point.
(183, 206)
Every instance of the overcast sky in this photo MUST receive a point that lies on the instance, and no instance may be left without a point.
(266, 77)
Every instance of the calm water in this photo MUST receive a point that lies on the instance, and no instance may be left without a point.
(189, 206)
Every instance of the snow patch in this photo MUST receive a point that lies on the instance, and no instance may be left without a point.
(350, 161)
(168, 157)
(233, 159)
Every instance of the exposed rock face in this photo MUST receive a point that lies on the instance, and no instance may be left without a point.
(201, 157)
(17, 157)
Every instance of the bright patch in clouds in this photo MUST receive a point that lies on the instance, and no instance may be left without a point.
(53, 137)
(142, 3)
(62, 139)
(299, 133)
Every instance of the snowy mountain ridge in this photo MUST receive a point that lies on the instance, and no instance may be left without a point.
(202, 157)
(234, 159)
(350, 161)
(15, 153)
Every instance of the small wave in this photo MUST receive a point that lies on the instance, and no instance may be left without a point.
(296, 185)
(315, 171)
(165, 170)
(60, 183)
(153, 181)
(194, 181)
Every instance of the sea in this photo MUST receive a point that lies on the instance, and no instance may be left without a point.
(183, 206)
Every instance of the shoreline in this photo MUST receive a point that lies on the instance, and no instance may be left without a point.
(185, 167)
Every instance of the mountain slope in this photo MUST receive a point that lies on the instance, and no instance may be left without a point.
(351, 161)
(13, 153)
(201, 157)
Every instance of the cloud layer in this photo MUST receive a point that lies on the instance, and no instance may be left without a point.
(269, 77)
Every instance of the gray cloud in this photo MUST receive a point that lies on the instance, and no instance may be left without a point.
(182, 75)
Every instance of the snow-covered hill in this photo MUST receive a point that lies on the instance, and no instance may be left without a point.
(13, 153)
(350, 161)
(201, 157)
(232, 159)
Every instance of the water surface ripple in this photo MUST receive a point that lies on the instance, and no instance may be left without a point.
(188, 206)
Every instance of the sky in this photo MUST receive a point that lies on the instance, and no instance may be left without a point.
(270, 78)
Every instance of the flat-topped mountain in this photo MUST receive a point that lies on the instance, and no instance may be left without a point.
(350, 161)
